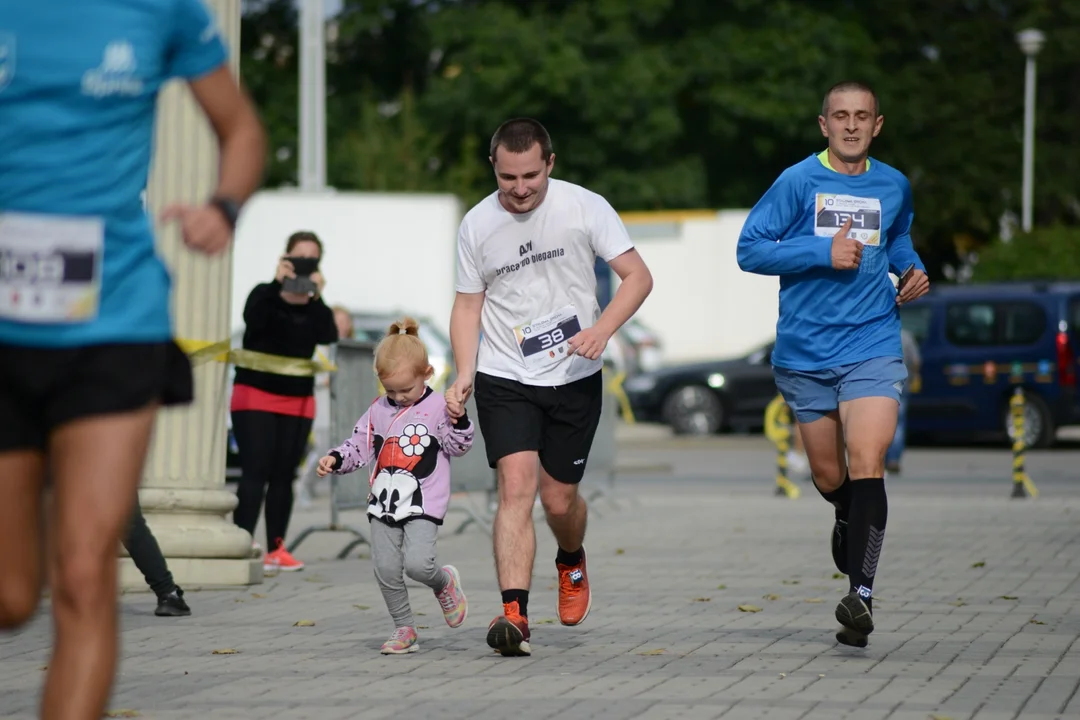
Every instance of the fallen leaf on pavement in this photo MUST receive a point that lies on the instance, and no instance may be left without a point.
(226, 651)
(423, 627)
(257, 596)
(978, 564)
(619, 551)
(702, 599)
(1037, 622)
(771, 596)
(721, 587)
(1009, 597)
(362, 607)
(749, 608)
(791, 582)
(304, 623)
(838, 576)
(940, 717)
(958, 603)
(545, 621)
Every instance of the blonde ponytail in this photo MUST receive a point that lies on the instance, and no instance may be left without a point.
(401, 349)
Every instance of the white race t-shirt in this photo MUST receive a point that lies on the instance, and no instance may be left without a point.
(537, 269)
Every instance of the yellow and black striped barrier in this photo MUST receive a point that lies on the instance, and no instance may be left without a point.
(1022, 485)
(615, 387)
(778, 431)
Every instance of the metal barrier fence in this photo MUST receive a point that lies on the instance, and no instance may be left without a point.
(352, 389)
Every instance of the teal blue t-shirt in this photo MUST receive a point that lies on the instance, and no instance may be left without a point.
(79, 81)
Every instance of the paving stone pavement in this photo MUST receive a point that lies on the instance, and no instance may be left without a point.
(977, 608)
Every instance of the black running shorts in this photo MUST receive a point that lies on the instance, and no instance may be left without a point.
(559, 423)
(43, 388)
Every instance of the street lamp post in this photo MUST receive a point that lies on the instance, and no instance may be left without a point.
(1030, 41)
(312, 96)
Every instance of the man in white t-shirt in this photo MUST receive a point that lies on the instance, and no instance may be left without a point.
(526, 279)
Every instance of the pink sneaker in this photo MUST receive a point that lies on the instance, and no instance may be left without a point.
(455, 608)
(401, 642)
(281, 560)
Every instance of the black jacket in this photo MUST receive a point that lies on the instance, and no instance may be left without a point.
(275, 327)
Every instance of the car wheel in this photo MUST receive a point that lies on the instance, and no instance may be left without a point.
(693, 410)
(1039, 427)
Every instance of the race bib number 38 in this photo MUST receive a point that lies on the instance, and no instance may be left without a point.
(832, 211)
(50, 268)
(543, 342)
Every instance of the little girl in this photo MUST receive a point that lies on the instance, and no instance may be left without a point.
(408, 438)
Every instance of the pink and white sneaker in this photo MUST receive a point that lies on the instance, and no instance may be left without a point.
(401, 642)
(281, 560)
(455, 607)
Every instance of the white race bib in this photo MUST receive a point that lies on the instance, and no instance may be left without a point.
(543, 342)
(50, 267)
(832, 211)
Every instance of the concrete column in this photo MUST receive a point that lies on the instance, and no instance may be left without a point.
(183, 494)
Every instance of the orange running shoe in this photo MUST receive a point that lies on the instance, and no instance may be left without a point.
(575, 598)
(281, 560)
(509, 633)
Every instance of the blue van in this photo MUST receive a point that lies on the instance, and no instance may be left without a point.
(979, 342)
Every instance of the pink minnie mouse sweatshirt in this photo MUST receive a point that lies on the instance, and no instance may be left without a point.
(411, 448)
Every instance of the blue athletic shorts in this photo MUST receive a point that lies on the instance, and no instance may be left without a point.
(812, 394)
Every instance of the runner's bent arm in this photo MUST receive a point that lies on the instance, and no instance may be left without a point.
(239, 132)
(637, 283)
(613, 245)
(899, 249)
(760, 250)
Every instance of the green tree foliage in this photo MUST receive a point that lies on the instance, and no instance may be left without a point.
(1044, 254)
(661, 104)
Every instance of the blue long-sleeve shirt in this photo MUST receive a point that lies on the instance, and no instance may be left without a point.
(828, 317)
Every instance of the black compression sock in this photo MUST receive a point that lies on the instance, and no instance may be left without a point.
(521, 597)
(840, 498)
(565, 557)
(866, 533)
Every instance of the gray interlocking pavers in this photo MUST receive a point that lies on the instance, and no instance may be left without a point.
(978, 613)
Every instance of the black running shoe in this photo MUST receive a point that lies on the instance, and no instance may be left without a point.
(857, 620)
(172, 605)
(839, 545)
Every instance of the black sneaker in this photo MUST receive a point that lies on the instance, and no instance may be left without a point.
(839, 545)
(857, 620)
(172, 605)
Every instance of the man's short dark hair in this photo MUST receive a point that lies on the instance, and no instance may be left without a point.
(519, 135)
(848, 86)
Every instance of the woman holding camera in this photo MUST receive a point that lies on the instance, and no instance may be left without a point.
(272, 413)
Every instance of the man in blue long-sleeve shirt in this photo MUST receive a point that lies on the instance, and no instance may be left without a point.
(832, 227)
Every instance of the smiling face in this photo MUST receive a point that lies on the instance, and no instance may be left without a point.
(851, 123)
(522, 177)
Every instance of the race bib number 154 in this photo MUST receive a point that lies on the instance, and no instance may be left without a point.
(832, 211)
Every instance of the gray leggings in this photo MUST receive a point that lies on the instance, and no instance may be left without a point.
(409, 548)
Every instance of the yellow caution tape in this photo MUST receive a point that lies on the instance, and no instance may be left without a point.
(203, 351)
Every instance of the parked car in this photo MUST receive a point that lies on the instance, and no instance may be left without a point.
(706, 397)
(979, 343)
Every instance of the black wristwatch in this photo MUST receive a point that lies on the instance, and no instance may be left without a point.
(229, 208)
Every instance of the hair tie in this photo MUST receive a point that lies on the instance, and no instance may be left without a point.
(402, 331)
